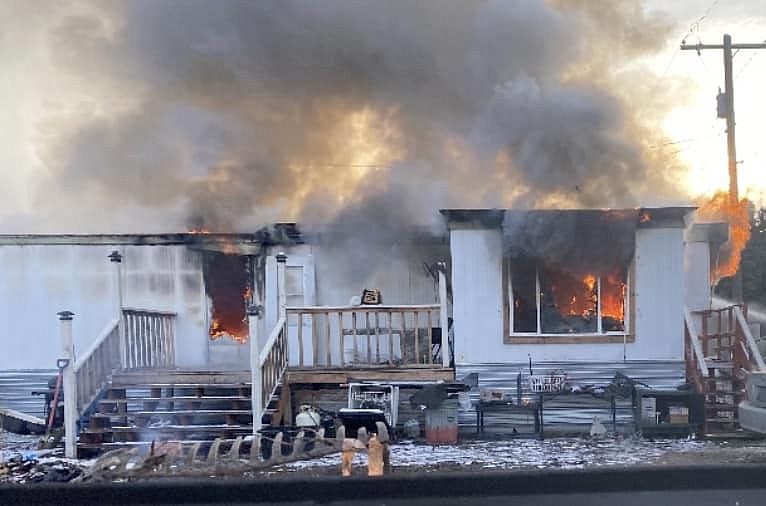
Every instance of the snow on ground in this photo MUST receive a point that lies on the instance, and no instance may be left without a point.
(14, 444)
(525, 453)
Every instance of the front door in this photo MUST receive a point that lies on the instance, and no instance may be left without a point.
(300, 291)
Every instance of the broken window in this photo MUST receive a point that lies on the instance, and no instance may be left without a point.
(559, 299)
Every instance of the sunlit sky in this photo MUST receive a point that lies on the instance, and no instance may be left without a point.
(30, 90)
(700, 138)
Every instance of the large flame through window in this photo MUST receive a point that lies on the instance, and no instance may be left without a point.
(581, 303)
(569, 269)
(228, 289)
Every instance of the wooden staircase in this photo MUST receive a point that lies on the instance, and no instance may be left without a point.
(141, 407)
(719, 352)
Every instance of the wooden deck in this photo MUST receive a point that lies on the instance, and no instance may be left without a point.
(295, 375)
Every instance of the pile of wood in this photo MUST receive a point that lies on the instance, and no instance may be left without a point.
(222, 457)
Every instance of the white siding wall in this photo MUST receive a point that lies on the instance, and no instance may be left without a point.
(659, 294)
(478, 303)
(37, 281)
(697, 275)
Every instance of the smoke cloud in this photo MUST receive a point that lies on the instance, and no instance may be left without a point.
(232, 115)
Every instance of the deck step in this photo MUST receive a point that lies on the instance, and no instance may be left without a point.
(183, 412)
(200, 386)
(179, 398)
(172, 428)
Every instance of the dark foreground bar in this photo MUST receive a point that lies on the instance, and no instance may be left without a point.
(698, 486)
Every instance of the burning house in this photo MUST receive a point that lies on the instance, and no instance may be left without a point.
(274, 320)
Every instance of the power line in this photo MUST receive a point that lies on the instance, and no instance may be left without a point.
(743, 67)
(694, 27)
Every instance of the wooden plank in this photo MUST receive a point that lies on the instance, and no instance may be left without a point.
(328, 341)
(314, 341)
(338, 377)
(369, 344)
(390, 337)
(353, 333)
(430, 340)
(403, 336)
(340, 339)
(377, 338)
(362, 309)
(300, 339)
(179, 398)
(566, 339)
(417, 337)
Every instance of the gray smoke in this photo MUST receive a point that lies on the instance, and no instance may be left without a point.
(231, 115)
(580, 242)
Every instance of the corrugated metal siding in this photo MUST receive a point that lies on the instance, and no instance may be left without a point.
(16, 389)
(568, 412)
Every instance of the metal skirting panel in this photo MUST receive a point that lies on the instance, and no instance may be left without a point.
(568, 412)
(16, 387)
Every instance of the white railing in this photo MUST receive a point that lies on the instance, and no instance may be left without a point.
(366, 336)
(273, 361)
(751, 348)
(149, 338)
(93, 370)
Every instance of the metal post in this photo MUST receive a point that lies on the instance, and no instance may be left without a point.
(116, 260)
(70, 385)
(443, 317)
(256, 374)
(281, 264)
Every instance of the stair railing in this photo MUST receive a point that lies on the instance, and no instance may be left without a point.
(696, 367)
(273, 362)
(269, 364)
(93, 369)
(751, 356)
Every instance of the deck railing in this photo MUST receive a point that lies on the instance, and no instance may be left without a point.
(149, 338)
(346, 336)
(365, 336)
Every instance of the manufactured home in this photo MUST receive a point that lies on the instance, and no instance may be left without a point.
(263, 323)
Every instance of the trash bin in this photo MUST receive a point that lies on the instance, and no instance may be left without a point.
(441, 423)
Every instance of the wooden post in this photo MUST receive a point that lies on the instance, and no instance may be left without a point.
(256, 374)
(70, 385)
(443, 321)
(116, 260)
(375, 457)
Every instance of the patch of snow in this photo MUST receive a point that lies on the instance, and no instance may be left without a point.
(524, 453)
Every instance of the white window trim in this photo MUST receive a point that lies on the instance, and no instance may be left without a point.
(539, 333)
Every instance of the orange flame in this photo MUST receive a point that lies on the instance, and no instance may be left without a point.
(720, 208)
(196, 231)
(579, 297)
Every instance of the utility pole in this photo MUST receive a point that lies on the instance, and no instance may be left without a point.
(726, 110)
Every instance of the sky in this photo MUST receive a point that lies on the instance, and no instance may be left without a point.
(59, 91)
(698, 136)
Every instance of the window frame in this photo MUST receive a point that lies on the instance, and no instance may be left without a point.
(538, 337)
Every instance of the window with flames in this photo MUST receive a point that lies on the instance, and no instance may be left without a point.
(562, 299)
